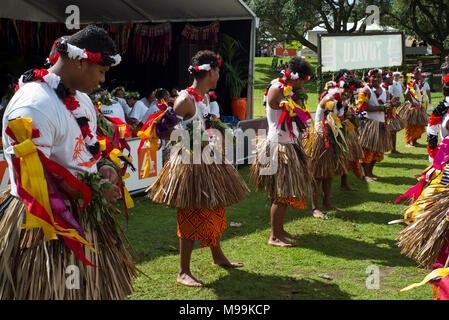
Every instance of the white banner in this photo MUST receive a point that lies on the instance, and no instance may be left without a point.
(361, 51)
(133, 183)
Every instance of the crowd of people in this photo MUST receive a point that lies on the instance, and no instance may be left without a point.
(67, 133)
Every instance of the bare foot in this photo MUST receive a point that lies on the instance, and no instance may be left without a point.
(408, 145)
(331, 207)
(188, 280)
(396, 152)
(368, 179)
(348, 188)
(289, 235)
(227, 263)
(280, 242)
(317, 213)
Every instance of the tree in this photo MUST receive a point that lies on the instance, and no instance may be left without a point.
(290, 19)
(424, 19)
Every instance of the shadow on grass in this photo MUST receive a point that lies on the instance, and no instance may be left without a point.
(338, 246)
(398, 165)
(239, 284)
(407, 181)
(404, 156)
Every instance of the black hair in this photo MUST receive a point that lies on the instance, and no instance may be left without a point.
(204, 57)
(96, 40)
(349, 78)
(300, 66)
(160, 93)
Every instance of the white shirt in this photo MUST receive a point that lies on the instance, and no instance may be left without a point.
(145, 101)
(424, 89)
(126, 108)
(138, 111)
(214, 109)
(273, 115)
(115, 110)
(373, 101)
(396, 89)
(60, 137)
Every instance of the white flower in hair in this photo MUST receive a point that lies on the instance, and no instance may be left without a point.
(75, 53)
(117, 58)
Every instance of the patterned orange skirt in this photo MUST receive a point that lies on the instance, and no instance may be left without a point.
(204, 225)
(371, 156)
(413, 133)
(294, 202)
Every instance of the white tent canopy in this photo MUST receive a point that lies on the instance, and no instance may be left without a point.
(115, 11)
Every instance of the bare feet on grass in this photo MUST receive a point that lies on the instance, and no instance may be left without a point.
(227, 263)
(348, 188)
(285, 234)
(187, 279)
(317, 213)
(280, 242)
(369, 179)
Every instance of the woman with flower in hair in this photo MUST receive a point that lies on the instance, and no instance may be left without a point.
(197, 179)
(375, 138)
(281, 169)
(413, 111)
(61, 213)
(330, 151)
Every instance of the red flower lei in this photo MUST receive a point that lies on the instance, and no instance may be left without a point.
(192, 91)
(71, 104)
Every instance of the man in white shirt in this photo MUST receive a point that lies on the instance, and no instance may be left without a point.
(150, 99)
(119, 93)
(427, 99)
(138, 109)
(64, 124)
(396, 87)
(213, 105)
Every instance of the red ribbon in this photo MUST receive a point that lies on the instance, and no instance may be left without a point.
(192, 91)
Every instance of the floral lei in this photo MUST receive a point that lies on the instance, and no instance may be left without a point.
(54, 81)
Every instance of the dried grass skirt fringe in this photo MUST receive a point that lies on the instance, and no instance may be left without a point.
(197, 186)
(413, 116)
(34, 269)
(324, 162)
(374, 136)
(292, 177)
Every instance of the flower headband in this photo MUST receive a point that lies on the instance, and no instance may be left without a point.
(73, 52)
(293, 75)
(203, 67)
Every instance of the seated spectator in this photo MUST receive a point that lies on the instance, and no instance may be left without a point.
(174, 94)
(119, 95)
(138, 109)
(213, 106)
(162, 98)
(150, 99)
(109, 107)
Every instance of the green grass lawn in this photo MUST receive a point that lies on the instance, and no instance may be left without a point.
(332, 256)
(329, 262)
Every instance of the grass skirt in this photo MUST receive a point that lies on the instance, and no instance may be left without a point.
(396, 124)
(413, 116)
(324, 162)
(355, 150)
(424, 238)
(375, 136)
(197, 186)
(292, 179)
(35, 269)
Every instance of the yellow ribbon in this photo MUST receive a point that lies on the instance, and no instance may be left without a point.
(441, 272)
(361, 100)
(114, 156)
(34, 183)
